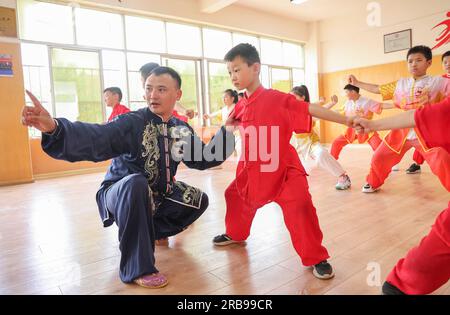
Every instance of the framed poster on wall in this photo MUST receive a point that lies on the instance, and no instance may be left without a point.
(8, 22)
(398, 41)
(6, 66)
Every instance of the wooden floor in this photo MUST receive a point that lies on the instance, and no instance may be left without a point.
(52, 240)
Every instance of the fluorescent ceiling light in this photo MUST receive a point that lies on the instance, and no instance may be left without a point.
(298, 1)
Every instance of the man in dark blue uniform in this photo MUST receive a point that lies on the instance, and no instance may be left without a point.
(139, 191)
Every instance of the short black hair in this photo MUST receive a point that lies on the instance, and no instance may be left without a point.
(233, 94)
(146, 69)
(446, 54)
(245, 51)
(421, 49)
(301, 90)
(351, 87)
(166, 70)
(114, 90)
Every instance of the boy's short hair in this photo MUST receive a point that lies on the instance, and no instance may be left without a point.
(146, 69)
(421, 49)
(351, 87)
(114, 90)
(446, 54)
(246, 51)
(166, 70)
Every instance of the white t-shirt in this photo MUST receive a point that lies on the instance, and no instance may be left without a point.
(363, 107)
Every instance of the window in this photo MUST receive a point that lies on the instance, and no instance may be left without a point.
(219, 81)
(271, 52)
(36, 74)
(183, 40)
(281, 80)
(114, 74)
(76, 83)
(216, 43)
(137, 91)
(47, 22)
(98, 29)
(188, 73)
(114, 70)
(264, 76)
(298, 77)
(91, 50)
(241, 38)
(292, 55)
(135, 62)
(154, 39)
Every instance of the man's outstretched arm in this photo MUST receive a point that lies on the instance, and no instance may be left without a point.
(77, 141)
(201, 156)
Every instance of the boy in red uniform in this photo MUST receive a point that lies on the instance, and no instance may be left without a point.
(269, 168)
(112, 97)
(407, 93)
(357, 105)
(427, 266)
(417, 157)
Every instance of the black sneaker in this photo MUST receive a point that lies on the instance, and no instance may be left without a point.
(323, 270)
(223, 240)
(389, 289)
(413, 169)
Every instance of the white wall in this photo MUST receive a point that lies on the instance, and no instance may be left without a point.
(312, 51)
(8, 3)
(349, 42)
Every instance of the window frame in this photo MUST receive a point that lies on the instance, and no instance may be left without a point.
(202, 62)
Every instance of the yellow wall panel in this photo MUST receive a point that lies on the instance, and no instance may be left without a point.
(334, 82)
(15, 160)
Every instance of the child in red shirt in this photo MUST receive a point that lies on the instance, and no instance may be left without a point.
(112, 97)
(269, 168)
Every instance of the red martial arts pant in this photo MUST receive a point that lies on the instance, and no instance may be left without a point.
(418, 158)
(299, 216)
(340, 142)
(384, 159)
(427, 266)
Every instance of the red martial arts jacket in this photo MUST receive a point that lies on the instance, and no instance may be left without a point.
(433, 124)
(267, 120)
(118, 109)
(179, 116)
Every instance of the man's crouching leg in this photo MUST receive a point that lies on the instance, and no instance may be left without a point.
(173, 216)
(128, 202)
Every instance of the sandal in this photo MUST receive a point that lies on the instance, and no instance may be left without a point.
(152, 281)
